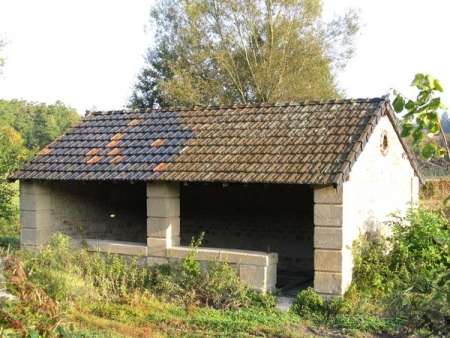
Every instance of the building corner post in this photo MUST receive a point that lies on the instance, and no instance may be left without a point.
(332, 268)
(36, 222)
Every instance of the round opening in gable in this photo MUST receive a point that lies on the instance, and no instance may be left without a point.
(384, 143)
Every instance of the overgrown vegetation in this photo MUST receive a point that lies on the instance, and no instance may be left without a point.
(401, 284)
(62, 290)
(400, 287)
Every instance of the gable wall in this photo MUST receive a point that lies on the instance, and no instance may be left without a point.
(254, 217)
(378, 185)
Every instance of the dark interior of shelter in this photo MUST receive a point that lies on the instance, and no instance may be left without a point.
(257, 217)
(101, 210)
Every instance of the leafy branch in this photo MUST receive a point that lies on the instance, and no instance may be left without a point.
(421, 120)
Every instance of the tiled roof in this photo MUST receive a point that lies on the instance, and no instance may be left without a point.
(303, 143)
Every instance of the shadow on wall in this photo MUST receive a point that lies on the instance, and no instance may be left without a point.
(107, 210)
(257, 217)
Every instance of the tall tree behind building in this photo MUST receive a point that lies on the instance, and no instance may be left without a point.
(243, 51)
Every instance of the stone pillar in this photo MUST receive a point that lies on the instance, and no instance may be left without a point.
(330, 275)
(36, 224)
(163, 217)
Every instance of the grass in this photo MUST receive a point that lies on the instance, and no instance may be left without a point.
(151, 316)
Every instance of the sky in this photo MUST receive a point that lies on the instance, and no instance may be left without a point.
(87, 53)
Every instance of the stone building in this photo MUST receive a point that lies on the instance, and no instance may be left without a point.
(276, 188)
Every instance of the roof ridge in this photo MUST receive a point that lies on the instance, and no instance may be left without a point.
(240, 106)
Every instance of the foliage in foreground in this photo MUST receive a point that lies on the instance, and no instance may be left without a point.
(401, 284)
(58, 285)
(421, 123)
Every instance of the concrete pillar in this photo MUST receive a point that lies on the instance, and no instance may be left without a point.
(330, 256)
(163, 217)
(36, 223)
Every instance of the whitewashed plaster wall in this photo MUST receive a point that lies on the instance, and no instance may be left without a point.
(381, 181)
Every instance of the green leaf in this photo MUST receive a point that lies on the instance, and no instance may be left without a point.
(33, 334)
(434, 127)
(435, 103)
(437, 86)
(441, 152)
(417, 136)
(423, 97)
(428, 151)
(410, 105)
(440, 240)
(398, 104)
(422, 121)
(407, 129)
(408, 117)
(418, 80)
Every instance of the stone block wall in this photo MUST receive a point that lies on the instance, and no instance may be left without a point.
(85, 209)
(257, 269)
(275, 218)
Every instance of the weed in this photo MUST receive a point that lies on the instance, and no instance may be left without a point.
(408, 274)
(217, 285)
(36, 314)
(308, 303)
(10, 243)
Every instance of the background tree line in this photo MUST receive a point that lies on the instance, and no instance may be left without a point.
(25, 127)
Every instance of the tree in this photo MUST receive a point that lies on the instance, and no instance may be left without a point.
(243, 51)
(37, 123)
(11, 153)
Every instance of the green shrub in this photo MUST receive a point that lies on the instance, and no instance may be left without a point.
(401, 284)
(9, 242)
(408, 274)
(308, 303)
(67, 273)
